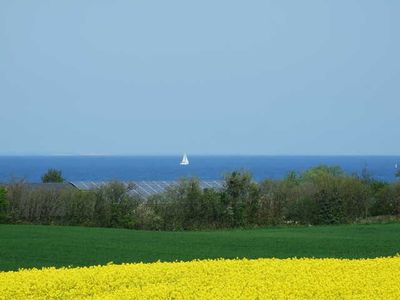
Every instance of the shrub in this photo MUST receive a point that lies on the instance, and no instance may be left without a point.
(3, 205)
(34, 205)
(52, 175)
(239, 197)
(115, 205)
(322, 195)
(211, 210)
(180, 206)
(320, 172)
(146, 218)
(79, 207)
(388, 200)
(273, 200)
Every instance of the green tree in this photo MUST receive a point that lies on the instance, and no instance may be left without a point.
(115, 205)
(181, 205)
(190, 195)
(322, 171)
(327, 182)
(240, 197)
(52, 175)
(3, 204)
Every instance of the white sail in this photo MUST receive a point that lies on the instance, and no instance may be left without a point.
(185, 160)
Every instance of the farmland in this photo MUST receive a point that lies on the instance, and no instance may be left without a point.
(27, 246)
(305, 278)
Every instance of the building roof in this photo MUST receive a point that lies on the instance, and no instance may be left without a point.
(141, 188)
(46, 186)
(146, 188)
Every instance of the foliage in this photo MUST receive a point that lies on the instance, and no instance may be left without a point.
(239, 198)
(185, 206)
(3, 205)
(389, 200)
(146, 217)
(52, 176)
(321, 195)
(111, 205)
(79, 207)
(115, 206)
(321, 172)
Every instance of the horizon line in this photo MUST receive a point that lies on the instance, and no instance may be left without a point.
(174, 154)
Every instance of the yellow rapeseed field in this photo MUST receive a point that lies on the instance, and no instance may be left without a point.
(377, 278)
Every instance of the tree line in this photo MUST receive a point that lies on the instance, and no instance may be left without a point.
(322, 195)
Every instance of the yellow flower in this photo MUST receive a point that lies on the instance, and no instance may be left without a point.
(302, 278)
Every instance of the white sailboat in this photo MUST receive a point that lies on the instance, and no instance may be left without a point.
(185, 160)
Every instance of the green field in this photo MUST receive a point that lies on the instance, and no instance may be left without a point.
(37, 246)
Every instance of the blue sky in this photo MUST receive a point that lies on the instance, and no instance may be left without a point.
(203, 77)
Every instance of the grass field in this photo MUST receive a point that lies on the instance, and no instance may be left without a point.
(26, 246)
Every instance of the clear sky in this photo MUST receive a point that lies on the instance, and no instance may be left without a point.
(203, 77)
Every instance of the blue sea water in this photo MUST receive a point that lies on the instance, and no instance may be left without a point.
(96, 168)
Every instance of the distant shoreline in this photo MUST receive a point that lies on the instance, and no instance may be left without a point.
(167, 167)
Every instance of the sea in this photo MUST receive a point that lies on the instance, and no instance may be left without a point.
(136, 168)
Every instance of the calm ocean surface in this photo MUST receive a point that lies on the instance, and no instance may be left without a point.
(95, 168)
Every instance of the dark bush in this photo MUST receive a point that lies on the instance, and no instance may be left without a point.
(52, 175)
(388, 201)
(239, 198)
(114, 205)
(321, 195)
(3, 205)
(79, 207)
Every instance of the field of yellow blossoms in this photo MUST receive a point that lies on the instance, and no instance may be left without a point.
(377, 278)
